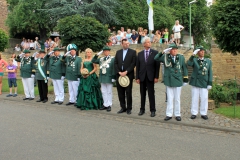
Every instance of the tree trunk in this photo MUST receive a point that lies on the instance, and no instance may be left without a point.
(43, 34)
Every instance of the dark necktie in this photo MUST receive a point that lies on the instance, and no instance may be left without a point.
(146, 55)
(105, 58)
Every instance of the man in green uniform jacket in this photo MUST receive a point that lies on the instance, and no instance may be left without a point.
(73, 65)
(106, 76)
(175, 76)
(41, 65)
(27, 72)
(201, 82)
(57, 74)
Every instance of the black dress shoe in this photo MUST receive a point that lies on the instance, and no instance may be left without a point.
(31, 99)
(75, 104)
(44, 101)
(39, 100)
(54, 102)
(204, 117)
(141, 112)
(193, 117)
(153, 114)
(108, 109)
(103, 108)
(129, 111)
(121, 111)
(25, 99)
(69, 103)
(167, 118)
(59, 103)
(178, 118)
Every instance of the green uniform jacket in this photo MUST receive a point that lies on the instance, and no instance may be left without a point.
(73, 66)
(175, 73)
(56, 68)
(202, 72)
(107, 64)
(27, 66)
(44, 66)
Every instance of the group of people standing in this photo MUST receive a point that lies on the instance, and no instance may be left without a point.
(136, 36)
(88, 91)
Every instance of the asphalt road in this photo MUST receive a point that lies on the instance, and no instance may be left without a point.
(39, 132)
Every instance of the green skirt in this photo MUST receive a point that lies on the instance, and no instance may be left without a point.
(89, 94)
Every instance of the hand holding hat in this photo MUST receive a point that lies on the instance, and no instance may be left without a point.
(196, 51)
(167, 50)
(123, 81)
(100, 52)
(113, 80)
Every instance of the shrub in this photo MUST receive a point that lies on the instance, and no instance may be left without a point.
(3, 40)
(224, 92)
(85, 32)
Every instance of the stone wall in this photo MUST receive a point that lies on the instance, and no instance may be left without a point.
(225, 65)
(3, 14)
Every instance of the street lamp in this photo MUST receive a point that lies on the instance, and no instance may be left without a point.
(190, 30)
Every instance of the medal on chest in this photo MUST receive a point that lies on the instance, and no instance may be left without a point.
(42, 63)
(104, 70)
(203, 67)
(104, 65)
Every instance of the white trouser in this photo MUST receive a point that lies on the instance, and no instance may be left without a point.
(73, 89)
(58, 89)
(173, 96)
(136, 42)
(201, 93)
(28, 86)
(106, 89)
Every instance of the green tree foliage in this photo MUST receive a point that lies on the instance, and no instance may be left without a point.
(102, 10)
(3, 40)
(24, 17)
(85, 32)
(134, 13)
(225, 25)
(41, 16)
(200, 26)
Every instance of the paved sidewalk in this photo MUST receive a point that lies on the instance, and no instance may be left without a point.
(215, 121)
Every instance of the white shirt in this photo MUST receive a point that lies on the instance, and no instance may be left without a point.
(32, 44)
(17, 48)
(122, 33)
(124, 55)
(177, 28)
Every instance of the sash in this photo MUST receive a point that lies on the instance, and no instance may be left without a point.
(41, 71)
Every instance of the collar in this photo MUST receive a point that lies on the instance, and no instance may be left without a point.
(147, 50)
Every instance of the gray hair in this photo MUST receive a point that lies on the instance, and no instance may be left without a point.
(145, 39)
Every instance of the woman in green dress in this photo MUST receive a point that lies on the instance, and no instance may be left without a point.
(89, 94)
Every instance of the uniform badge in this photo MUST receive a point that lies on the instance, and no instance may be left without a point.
(104, 70)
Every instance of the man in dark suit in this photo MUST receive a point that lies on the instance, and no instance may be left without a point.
(147, 74)
(125, 61)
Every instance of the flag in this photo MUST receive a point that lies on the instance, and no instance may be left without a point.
(150, 15)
